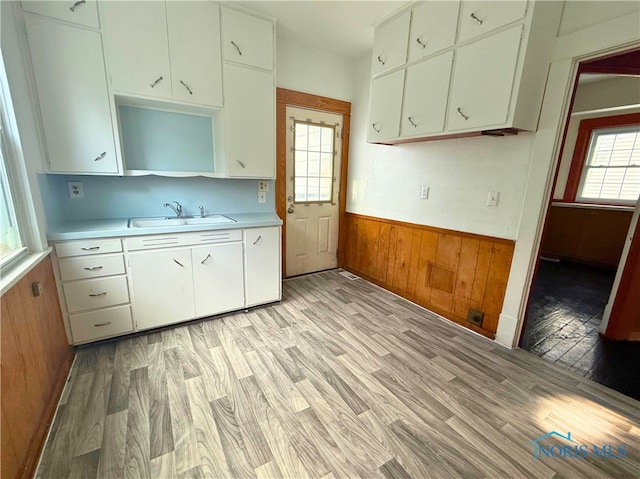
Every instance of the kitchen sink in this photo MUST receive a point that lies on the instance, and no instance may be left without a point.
(188, 221)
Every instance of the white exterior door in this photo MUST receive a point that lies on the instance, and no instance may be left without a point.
(313, 177)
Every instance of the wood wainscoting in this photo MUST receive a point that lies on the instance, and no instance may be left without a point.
(445, 271)
(36, 359)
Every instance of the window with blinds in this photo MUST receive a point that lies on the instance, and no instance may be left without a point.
(611, 173)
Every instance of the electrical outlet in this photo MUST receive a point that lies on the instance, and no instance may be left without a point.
(263, 185)
(262, 196)
(75, 189)
(424, 193)
(475, 317)
(492, 199)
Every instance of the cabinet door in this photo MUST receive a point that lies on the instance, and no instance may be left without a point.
(162, 286)
(218, 278)
(262, 265)
(137, 47)
(247, 39)
(483, 81)
(433, 28)
(386, 103)
(482, 17)
(82, 12)
(72, 93)
(194, 45)
(425, 96)
(390, 44)
(250, 125)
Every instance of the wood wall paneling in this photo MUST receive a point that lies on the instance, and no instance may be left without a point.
(445, 271)
(35, 362)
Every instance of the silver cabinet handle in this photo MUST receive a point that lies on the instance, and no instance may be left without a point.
(377, 130)
(421, 43)
(476, 19)
(93, 268)
(156, 81)
(241, 163)
(462, 114)
(411, 121)
(95, 295)
(381, 60)
(205, 260)
(257, 239)
(90, 248)
(178, 262)
(100, 156)
(102, 324)
(237, 47)
(187, 87)
(77, 4)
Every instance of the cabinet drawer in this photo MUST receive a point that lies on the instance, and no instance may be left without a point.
(91, 267)
(100, 324)
(80, 12)
(87, 247)
(185, 239)
(96, 293)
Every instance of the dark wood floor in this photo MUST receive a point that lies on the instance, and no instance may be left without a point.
(341, 379)
(566, 309)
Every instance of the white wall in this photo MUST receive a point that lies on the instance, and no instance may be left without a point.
(579, 14)
(385, 181)
(305, 69)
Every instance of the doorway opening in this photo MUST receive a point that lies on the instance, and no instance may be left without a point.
(589, 230)
(312, 150)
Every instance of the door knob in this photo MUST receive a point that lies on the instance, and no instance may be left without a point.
(290, 209)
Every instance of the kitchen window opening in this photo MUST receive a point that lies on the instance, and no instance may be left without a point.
(314, 153)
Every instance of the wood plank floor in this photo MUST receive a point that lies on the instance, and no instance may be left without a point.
(341, 379)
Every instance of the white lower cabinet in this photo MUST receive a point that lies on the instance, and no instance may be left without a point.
(162, 286)
(103, 323)
(217, 278)
(262, 265)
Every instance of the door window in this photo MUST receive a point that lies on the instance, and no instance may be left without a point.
(313, 166)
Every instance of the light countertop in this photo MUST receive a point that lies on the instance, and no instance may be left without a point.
(83, 229)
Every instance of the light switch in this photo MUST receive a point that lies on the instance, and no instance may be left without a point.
(492, 199)
(262, 197)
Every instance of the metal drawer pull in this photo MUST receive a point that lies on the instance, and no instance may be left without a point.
(187, 87)
(377, 130)
(241, 163)
(100, 156)
(412, 123)
(95, 295)
(462, 114)
(90, 248)
(381, 60)
(205, 260)
(178, 262)
(102, 324)
(93, 268)
(476, 19)
(77, 4)
(156, 81)
(423, 45)
(237, 47)
(258, 239)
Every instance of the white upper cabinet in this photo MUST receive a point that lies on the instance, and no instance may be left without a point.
(425, 96)
(483, 81)
(386, 103)
(81, 12)
(247, 39)
(433, 28)
(250, 122)
(194, 47)
(482, 17)
(390, 44)
(72, 92)
(137, 47)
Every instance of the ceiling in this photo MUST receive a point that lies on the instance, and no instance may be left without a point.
(340, 28)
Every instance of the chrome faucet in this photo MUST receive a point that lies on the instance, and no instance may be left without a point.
(176, 209)
(202, 213)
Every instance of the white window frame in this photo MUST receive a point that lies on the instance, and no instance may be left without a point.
(585, 167)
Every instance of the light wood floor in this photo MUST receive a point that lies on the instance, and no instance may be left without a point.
(341, 379)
